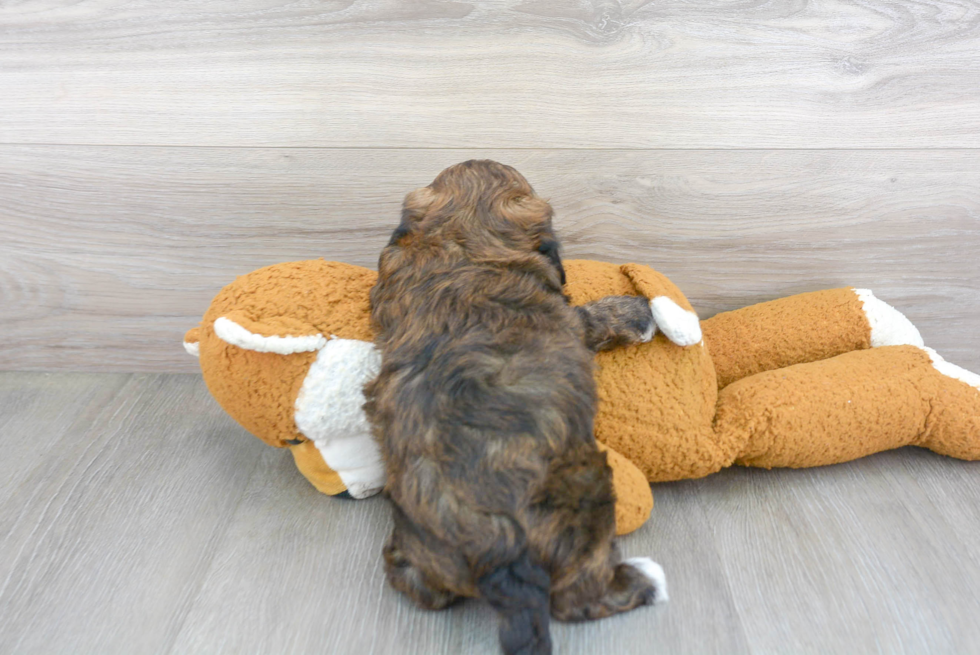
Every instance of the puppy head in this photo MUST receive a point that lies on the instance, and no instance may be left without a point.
(482, 211)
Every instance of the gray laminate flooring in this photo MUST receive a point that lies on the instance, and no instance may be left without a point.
(136, 517)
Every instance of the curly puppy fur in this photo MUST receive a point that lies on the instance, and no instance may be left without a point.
(484, 409)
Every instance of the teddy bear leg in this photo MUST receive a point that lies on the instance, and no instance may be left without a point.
(310, 463)
(329, 411)
(953, 425)
(886, 325)
(850, 406)
(803, 328)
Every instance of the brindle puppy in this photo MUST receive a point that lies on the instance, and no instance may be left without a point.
(484, 409)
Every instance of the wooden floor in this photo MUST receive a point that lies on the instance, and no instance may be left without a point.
(136, 517)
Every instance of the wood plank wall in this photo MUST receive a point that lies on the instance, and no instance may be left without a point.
(152, 151)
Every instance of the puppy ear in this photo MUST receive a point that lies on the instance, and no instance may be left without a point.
(550, 249)
(414, 209)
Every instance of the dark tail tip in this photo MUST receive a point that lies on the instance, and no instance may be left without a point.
(520, 593)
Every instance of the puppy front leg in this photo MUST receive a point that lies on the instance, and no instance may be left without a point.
(617, 321)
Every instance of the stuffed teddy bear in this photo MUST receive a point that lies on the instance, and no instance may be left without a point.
(808, 380)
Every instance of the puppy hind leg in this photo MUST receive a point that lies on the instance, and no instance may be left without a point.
(574, 531)
(606, 588)
(409, 579)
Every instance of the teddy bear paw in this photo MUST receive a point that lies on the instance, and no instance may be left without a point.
(952, 370)
(679, 325)
(889, 327)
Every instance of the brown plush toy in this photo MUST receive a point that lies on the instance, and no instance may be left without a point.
(812, 379)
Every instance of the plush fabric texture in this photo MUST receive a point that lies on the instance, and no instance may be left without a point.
(852, 405)
(634, 501)
(888, 326)
(794, 382)
(329, 412)
(657, 400)
(295, 299)
(310, 463)
(802, 328)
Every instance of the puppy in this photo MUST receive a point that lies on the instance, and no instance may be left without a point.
(484, 409)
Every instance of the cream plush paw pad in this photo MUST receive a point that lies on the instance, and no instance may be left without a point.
(679, 325)
(192, 348)
(889, 327)
(655, 573)
(329, 412)
(952, 370)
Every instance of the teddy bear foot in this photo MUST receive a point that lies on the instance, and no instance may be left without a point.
(889, 327)
(952, 370)
(953, 425)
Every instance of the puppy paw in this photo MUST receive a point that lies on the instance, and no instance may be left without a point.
(654, 573)
(647, 334)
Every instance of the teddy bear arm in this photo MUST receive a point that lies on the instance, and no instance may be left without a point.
(672, 313)
(634, 500)
(653, 284)
(330, 413)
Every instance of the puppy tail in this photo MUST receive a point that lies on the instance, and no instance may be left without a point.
(520, 592)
